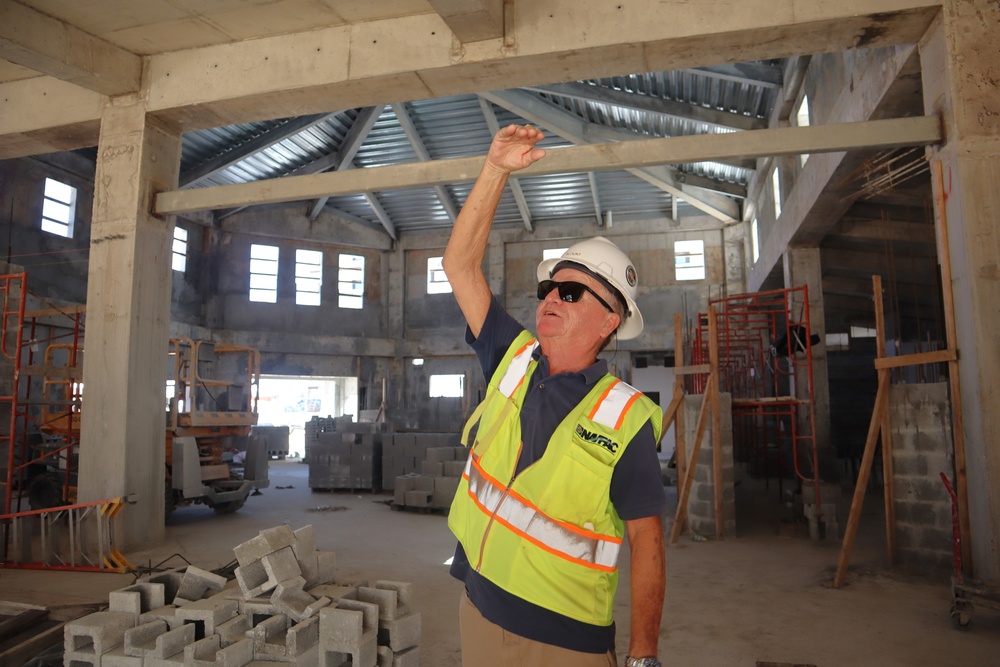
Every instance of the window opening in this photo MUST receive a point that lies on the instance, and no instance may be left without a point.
(263, 273)
(351, 281)
(308, 277)
(58, 208)
(447, 386)
(689, 260)
(179, 261)
(437, 281)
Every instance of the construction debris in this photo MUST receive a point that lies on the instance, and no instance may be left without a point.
(282, 607)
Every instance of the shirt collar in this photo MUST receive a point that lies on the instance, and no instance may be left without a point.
(591, 374)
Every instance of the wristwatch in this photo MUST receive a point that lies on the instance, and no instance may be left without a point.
(642, 662)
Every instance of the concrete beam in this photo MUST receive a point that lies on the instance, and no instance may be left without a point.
(471, 20)
(49, 46)
(650, 152)
(45, 115)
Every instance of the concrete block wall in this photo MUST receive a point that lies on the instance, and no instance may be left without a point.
(435, 485)
(922, 448)
(288, 622)
(701, 501)
(405, 453)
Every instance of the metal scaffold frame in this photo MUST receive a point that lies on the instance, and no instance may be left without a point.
(765, 362)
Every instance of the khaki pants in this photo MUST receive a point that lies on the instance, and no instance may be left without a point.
(487, 645)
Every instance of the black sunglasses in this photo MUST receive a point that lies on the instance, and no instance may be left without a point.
(569, 291)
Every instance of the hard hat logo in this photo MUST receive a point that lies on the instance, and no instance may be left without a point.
(630, 276)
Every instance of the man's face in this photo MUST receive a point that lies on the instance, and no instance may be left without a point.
(580, 323)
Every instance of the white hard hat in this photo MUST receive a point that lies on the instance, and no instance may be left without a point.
(605, 261)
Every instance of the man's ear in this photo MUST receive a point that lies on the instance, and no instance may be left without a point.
(611, 323)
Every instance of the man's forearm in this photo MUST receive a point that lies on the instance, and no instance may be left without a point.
(648, 582)
(471, 233)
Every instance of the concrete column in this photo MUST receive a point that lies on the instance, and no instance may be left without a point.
(802, 267)
(960, 68)
(128, 317)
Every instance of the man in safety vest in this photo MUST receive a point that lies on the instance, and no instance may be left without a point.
(562, 460)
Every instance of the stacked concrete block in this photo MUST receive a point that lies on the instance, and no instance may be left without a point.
(701, 501)
(435, 486)
(344, 455)
(284, 621)
(406, 453)
(922, 448)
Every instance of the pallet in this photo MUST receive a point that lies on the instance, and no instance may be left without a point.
(442, 511)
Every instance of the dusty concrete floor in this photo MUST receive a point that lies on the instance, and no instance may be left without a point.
(759, 597)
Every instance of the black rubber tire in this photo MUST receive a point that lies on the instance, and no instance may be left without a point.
(228, 507)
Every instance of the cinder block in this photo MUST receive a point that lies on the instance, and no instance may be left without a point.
(171, 582)
(326, 562)
(309, 567)
(383, 656)
(403, 590)
(432, 468)
(269, 637)
(196, 582)
(348, 633)
(440, 454)
(281, 565)
(294, 602)
(444, 490)
(419, 498)
(305, 542)
(257, 609)
(422, 483)
(400, 634)
(253, 579)
(209, 652)
(392, 598)
(334, 591)
(167, 613)
(209, 613)
(268, 541)
(408, 658)
(116, 658)
(87, 639)
(234, 630)
(162, 645)
(137, 599)
(454, 468)
(140, 640)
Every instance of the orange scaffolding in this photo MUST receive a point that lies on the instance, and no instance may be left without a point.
(765, 364)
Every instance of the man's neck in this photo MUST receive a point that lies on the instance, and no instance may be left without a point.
(562, 360)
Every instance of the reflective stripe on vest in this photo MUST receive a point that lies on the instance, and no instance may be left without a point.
(517, 369)
(614, 404)
(518, 515)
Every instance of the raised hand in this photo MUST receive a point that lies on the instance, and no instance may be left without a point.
(513, 148)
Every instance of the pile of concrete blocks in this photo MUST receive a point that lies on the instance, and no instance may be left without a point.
(343, 454)
(405, 453)
(283, 608)
(434, 488)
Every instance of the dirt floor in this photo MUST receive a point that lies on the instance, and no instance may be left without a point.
(761, 598)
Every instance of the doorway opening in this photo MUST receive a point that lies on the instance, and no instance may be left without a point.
(293, 400)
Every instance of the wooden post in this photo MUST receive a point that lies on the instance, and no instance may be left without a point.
(887, 485)
(881, 402)
(680, 438)
(684, 491)
(713, 396)
(958, 428)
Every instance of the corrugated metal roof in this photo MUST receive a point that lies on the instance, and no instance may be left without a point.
(456, 126)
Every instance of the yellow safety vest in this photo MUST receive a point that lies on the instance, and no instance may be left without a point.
(550, 535)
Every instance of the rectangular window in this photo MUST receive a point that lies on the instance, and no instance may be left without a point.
(689, 260)
(863, 332)
(755, 240)
(308, 277)
(776, 192)
(802, 120)
(263, 273)
(351, 281)
(58, 208)
(447, 386)
(179, 261)
(838, 341)
(437, 282)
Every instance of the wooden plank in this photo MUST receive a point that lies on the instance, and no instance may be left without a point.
(698, 369)
(881, 402)
(672, 410)
(14, 623)
(680, 437)
(48, 312)
(951, 336)
(888, 493)
(713, 361)
(915, 359)
(684, 491)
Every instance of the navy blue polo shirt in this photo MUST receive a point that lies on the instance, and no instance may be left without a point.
(636, 485)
